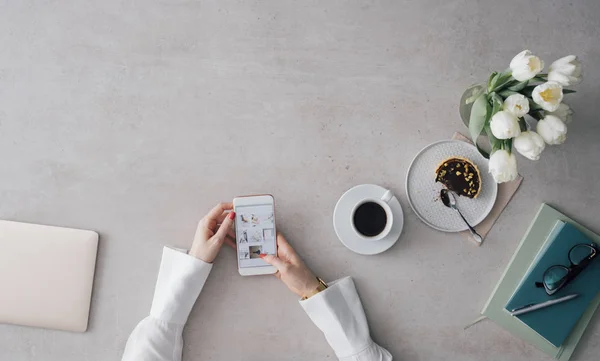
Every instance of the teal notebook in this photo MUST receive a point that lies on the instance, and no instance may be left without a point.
(532, 242)
(556, 322)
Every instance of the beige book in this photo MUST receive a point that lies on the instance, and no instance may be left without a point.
(46, 275)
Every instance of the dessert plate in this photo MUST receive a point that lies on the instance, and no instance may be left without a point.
(424, 192)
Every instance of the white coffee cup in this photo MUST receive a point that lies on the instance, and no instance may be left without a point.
(383, 203)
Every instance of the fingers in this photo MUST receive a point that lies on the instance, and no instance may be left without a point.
(222, 217)
(231, 234)
(221, 233)
(230, 241)
(213, 223)
(273, 261)
(284, 250)
(218, 211)
(216, 216)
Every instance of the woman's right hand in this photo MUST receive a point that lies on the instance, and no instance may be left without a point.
(291, 270)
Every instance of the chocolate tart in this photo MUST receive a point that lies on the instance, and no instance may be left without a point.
(459, 175)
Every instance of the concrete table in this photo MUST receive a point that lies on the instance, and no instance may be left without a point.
(133, 118)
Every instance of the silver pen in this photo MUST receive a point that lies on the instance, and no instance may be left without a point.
(536, 306)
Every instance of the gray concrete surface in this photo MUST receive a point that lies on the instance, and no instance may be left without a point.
(133, 118)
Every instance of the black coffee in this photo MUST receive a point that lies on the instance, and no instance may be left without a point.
(370, 219)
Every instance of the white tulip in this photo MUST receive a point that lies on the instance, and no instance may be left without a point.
(530, 144)
(564, 112)
(548, 95)
(503, 166)
(516, 104)
(552, 129)
(565, 71)
(525, 65)
(505, 125)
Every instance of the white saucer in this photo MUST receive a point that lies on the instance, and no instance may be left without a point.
(342, 220)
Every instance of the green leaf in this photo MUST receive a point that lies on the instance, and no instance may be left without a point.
(474, 95)
(537, 114)
(485, 154)
(533, 105)
(518, 86)
(503, 81)
(497, 104)
(522, 124)
(528, 90)
(494, 142)
(568, 91)
(492, 81)
(496, 98)
(479, 113)
(506, 93)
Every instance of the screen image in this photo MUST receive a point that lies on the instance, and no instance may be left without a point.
(255, 233)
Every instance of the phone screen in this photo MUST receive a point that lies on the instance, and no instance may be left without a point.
(255, 232)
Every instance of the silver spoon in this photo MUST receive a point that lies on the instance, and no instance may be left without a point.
(450, 202)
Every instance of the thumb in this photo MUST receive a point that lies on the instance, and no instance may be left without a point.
(225, 227)
(273, 260)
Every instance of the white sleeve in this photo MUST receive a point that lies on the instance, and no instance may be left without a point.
(158, 337)
(338, 313)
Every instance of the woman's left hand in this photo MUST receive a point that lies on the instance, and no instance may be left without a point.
(212, 232)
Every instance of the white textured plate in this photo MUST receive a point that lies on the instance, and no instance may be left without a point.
(424, 192)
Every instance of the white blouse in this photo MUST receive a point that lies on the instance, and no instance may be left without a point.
(337, 311)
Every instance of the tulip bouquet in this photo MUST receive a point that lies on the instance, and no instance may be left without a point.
(511, 102)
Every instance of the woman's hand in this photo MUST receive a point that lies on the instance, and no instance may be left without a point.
(291, 270)
(212, 232)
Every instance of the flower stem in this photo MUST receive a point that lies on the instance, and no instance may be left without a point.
(508, 145)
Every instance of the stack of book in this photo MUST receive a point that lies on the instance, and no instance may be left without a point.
(557, 329)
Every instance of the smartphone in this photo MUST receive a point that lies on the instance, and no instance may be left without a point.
(255, 233)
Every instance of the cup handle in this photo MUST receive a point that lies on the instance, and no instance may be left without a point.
(387, 196)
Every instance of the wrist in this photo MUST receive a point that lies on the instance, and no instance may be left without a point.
(315, 286)
(200, 255)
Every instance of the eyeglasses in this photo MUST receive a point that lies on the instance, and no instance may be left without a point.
(557, 277)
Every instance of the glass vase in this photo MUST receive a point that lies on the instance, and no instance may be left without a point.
(467, 100)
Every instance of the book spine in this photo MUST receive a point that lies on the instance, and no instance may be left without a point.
(512, 259)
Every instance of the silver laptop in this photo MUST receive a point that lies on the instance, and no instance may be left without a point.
(46, 275)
